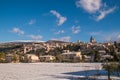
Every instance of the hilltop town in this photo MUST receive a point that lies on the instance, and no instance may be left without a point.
(59, 51)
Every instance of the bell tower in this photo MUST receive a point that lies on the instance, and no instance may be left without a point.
(92, 40)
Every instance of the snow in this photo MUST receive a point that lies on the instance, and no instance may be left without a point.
(47, 71)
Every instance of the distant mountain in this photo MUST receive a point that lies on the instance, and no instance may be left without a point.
(56, 41)
(33, 41)
(22, 41)
(28, 41)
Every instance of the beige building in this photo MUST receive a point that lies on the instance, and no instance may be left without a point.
(47, 58)
(27, 49)
(12, 58)
(88, 58)
(102, 52)
(8, 58)
(104, 57)
(72, 56)
(31, 58)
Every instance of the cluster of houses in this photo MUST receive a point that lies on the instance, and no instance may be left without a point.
(66, 55)
(28, 58)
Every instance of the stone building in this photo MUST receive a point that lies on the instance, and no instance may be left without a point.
(47, 58)
(31, 58)
(92, 40)
(12, 58)
(72, 56)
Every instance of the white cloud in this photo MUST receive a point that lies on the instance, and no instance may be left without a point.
(75, 30)
(31, 22)
(90, 6)
(95, 7)
(35, 37)
(109, 36)
(104, 13)
(61, 19)
(95, 33)
(76, 21)
(106, 36)
(60, 32)
(118, 38)
(66, 39)
(18, 31)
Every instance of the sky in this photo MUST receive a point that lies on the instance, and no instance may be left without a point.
(65, 20)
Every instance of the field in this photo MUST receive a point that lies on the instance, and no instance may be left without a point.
(50, 71)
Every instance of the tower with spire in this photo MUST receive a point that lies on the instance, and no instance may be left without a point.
(92, 40)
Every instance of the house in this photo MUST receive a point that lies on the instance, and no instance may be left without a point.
(27, 49)
(8, 58)
(31, 58)
(102, 52)
(72, 56)
(88, 58)
(12, 58)
(105, 57)
(47, 58)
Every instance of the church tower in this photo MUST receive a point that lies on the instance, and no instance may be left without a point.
(92, 40)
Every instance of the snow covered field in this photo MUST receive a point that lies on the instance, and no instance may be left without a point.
(48, 71)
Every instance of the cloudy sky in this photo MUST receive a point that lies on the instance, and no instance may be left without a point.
(66, 20)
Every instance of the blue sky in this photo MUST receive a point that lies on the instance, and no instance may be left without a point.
(66, 20)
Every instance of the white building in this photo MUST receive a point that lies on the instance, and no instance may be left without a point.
(47, 58)
(73, 56)
(31, 58)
